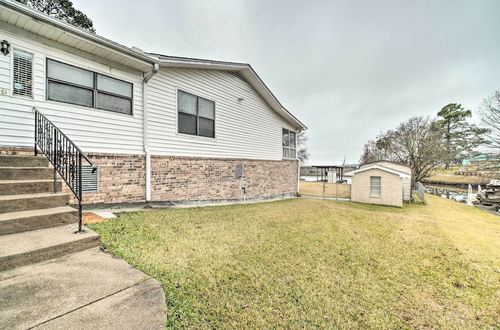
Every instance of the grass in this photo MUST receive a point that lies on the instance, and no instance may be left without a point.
(306, 263)
(457, 179)
(331, 189)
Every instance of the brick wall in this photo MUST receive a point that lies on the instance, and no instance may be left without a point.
(175, 179)
(121, 179)
(189, 178)
(391, 188)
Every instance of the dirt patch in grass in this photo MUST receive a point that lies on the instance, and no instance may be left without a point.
(331, 190)
(89, 218)
(306, 263)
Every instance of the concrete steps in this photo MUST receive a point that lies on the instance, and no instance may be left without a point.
(24, 161)
(25, 173)
(26, 202)
(39, 245)
(13, 187)
(36, 223)
(16, 222)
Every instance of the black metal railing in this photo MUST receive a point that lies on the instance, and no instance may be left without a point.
(63, 154)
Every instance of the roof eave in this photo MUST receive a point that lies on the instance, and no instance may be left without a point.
(78, 32)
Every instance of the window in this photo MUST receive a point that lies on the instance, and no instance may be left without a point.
(70, 84)
(196, 115)
(375, 186)
(23, 73)
(289, 144)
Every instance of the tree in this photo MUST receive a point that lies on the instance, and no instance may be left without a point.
(417, 143)
(302, 153)
(490, 116)
(61, 9)
(461, 137)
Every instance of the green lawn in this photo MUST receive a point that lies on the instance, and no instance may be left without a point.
(327, 189)
(314, 263)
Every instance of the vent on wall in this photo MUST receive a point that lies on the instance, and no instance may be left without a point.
(23, 74)
(90, 181)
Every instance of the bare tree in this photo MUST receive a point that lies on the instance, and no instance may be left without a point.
(302, 153)
(490, 116)
(417, 143)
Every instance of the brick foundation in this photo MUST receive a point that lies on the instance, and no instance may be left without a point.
(179, 179)
(199, 179)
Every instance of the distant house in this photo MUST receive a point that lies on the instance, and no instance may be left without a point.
(383, 183)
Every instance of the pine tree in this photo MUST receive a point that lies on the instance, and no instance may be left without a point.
(61, 9)
(460, 136)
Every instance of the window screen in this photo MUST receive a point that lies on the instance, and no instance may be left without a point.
(23, 73)
(289, 144)
(70, 84)
(196, 115)
(375, 186)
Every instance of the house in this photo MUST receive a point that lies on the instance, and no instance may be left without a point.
(383, 182)
(159, 128)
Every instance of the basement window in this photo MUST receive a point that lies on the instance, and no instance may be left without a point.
(375, 186)
(289, 144)
(196, 115)
(23, 74)
(70, 84)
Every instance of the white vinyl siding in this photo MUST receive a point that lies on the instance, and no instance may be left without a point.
(245, 125)
(375, 186)
(93, 130)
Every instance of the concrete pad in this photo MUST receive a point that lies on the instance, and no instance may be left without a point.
(138, 307)
(77, 288)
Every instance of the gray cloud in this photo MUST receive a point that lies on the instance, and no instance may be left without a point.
(348, 69)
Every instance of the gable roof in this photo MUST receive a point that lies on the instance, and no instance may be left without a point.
(21, 18)
(382, 168)
(244, 69)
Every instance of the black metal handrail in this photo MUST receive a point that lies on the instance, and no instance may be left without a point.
(63, 154)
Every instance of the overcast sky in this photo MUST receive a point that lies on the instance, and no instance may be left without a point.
(347, 69)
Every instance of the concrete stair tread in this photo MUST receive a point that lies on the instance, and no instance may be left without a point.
(27, 181)
(40, 155)
(23, 196)
(22, 167)
(34, 213)
(25, 242)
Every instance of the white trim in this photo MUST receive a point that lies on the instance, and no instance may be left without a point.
(382, 168)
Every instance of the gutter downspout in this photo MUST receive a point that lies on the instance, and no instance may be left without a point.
(145, 127)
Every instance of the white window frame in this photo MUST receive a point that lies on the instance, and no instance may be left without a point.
(374, 186)
(13, 50)
(288, 148)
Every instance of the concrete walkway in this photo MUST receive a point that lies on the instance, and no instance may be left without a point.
(83, 290)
